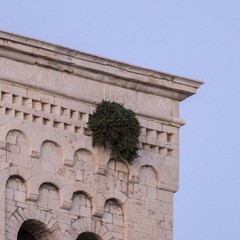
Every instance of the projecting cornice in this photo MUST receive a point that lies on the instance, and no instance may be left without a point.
(96, 68)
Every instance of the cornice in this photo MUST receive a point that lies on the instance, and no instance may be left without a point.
(99, 69)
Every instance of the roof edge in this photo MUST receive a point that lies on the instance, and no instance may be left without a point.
(56, 53)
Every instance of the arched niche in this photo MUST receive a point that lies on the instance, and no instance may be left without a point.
(88, 236)
(48, 197)
(117, 175)
(50, 151)
(86, 165)
(148, 176)
(113, 218)
(15, 193)
(81, 205)
(147, 184)
(17, 142)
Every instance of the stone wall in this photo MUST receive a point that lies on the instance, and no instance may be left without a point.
(54, 184)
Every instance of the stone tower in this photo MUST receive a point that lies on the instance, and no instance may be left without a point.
(53, 184)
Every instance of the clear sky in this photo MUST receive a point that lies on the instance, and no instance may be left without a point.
(195, 38)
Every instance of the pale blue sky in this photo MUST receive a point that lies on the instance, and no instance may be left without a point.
(195, 38)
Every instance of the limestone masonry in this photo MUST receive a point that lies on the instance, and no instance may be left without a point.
(53, 184)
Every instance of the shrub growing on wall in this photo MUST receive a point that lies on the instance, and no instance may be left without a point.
(117, 128)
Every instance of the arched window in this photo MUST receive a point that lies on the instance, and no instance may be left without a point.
(88, 236)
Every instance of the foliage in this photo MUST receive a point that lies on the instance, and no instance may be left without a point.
(117, 128)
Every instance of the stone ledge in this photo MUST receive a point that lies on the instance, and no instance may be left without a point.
(67, 60)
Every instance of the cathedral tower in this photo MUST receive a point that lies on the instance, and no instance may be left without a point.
(54, 184)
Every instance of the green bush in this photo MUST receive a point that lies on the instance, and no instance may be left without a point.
(117, 128)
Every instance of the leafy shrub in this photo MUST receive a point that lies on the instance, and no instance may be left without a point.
(117, 128)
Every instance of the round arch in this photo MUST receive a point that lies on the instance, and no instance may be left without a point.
(33, 230)
(88, 236)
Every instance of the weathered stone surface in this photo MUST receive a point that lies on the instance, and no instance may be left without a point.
(53, 183)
